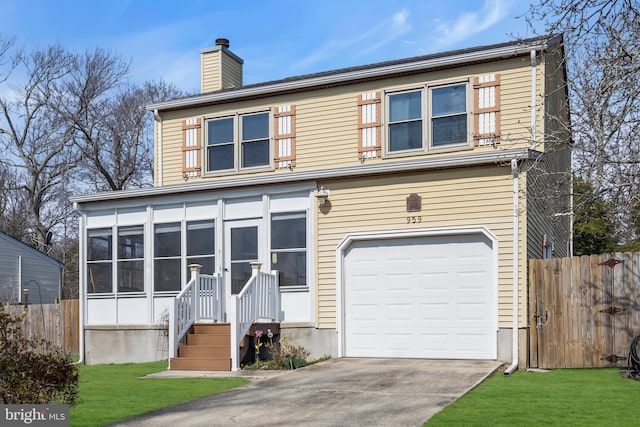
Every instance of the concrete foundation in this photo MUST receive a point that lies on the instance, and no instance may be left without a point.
(319, 342)
(149, 343)
(125, 344)
(505, 346)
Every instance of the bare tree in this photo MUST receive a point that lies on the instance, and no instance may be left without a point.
(12, 201)
(602, 42)
(7, 61)
(112, 128)
(37, 140)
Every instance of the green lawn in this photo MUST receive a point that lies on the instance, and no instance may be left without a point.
(110, 393)
(563, 397)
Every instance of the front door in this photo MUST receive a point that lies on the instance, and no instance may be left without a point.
(243, 240)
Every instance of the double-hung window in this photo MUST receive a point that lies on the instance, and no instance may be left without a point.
(242, 139)
(289, 248)
(448, 115)
(254, 140)
(220, 144)
(405, 121)
(430, 118)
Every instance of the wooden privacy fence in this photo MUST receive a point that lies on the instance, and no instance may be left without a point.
(57, 323)
(583, 311)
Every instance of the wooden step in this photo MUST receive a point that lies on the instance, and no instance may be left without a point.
(200, 364)
(204, 351)
(208, 348)
(212, 328)
(213, 340)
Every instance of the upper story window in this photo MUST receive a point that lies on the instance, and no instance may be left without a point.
(242, 140)
(220, 145)
(440, 122)
(405, 121)
(449, 115)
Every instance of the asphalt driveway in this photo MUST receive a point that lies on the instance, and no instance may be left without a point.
(337, 392)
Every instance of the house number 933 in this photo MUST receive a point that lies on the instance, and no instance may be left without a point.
(414, 219)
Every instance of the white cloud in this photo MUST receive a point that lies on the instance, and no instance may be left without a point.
(471, 23)
(370, 40)
(399, 26)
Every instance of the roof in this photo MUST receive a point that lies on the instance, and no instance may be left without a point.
(29, 249)
(491, 157)
(369, 72)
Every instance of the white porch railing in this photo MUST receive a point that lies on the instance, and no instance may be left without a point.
(259, 299)
(196, 302)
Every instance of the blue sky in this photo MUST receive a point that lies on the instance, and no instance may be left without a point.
(276, 39)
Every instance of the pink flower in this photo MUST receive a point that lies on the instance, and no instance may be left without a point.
(258, 333)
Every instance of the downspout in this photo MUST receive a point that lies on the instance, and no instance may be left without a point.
(533, 98)
(158, 153)
(81, 284)
(516, 273)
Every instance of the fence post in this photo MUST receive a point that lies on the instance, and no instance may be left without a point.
(195, 276)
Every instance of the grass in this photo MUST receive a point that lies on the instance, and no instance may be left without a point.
(563, 397)
(111, 393)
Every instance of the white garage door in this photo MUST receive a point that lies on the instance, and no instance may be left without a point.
(428, 297)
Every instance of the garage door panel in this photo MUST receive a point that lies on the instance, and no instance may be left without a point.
(429, 297)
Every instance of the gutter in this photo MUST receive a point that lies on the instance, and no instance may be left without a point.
(516, 272)
(401, 166)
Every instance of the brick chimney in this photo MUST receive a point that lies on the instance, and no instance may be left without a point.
(219, 68)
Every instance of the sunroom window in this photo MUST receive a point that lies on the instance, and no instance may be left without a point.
(289, 248)
(167, 263)
(99, 261)
(130, 263)
(201, 245)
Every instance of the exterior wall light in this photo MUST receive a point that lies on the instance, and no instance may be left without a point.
(322, 195)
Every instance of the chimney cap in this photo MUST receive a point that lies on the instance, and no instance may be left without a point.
(222, 42)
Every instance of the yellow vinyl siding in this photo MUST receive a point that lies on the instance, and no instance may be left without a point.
(327, 125)
(172, 153)
(210, 71)
(231, 72)
(515, 110)
(480, 196)
(327, 119)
